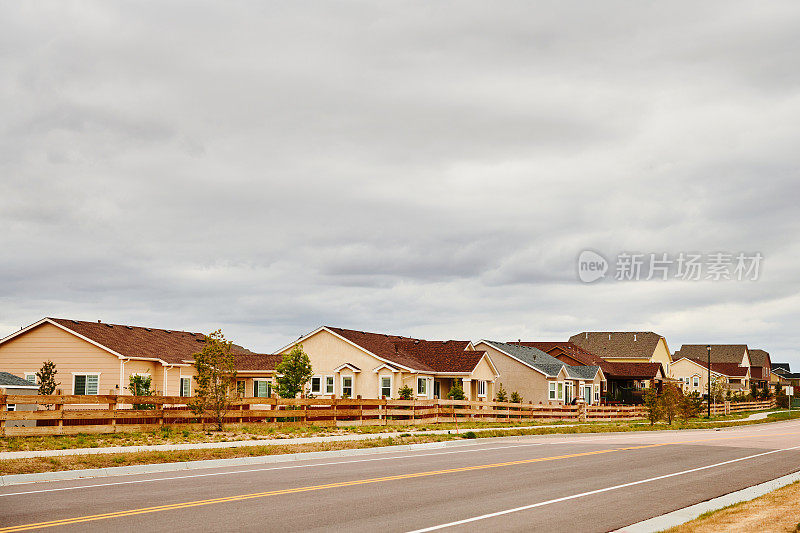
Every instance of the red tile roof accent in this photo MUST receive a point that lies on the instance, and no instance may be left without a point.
(170, 346)
(417, 354)
(631, 370)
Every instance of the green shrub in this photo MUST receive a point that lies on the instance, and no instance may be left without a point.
(405, 393)
(456, 392)
(516, 397)
(469, 435)
(501, 395)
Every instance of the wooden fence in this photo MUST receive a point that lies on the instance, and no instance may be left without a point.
(63, 415)
(727, 408)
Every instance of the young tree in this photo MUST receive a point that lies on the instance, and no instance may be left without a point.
(46, 376)
(652, 405)
(139, 385)
(516, 397)
(293, 372)
(406, 393)
(670, 401)
(456, 392)
(215, 379)
(501, 395)
(690, 405)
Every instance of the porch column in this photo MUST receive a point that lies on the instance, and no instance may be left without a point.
(467, 385)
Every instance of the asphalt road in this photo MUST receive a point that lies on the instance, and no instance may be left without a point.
(579, 482)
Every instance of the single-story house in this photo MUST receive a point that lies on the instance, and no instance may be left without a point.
(351, 363)
(11, 384)
(626, 346)
(541, 378)
(729, 361)
(99, 358)
(624, 381)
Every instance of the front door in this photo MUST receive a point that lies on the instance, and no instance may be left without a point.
(587, 394)
(437, 389)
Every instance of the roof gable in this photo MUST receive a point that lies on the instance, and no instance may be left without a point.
(720, 353)
(618, 344)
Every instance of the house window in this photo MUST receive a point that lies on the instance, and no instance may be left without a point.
(328, 384)
(422, 386)
(316, 385)
(85, 384)
(347, 386)
(262, 388)
(481, 389)
(11, 407)
(552, 393)
(386, 387)
(560, 390)
(30, 377)
(568, 391)
(597, 393)
(695, 381)
(186, 386)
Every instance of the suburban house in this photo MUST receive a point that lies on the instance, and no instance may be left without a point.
(99, 358)
(11, 384)
(729, 362)
(626, 346)
(350, 363)
(541, 378)
(784, 377)
(760, 368)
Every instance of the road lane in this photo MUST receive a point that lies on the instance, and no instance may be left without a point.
(417, 490)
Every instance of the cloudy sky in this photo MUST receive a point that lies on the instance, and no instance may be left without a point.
(421, 168)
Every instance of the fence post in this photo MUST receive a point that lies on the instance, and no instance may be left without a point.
(113, 408)
(2, 410)
(335, 402)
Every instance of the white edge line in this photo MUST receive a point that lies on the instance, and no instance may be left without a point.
(592, 492)
(249, 470)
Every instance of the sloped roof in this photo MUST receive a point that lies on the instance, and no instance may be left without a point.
(416, 354)
(582, 372)
(568, 348)
(780, 367)
(631, 370)
(10, 380)
(636, 344)
(726, 369)
(542, 361)
(170, 346)
(759, 357)
(720, 353)
(256, 361)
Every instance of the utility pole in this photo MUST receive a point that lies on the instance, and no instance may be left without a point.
(709, 380)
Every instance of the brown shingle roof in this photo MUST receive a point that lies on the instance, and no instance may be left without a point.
(720, 353)
(417, 354)
(726, 369)
(170, 346)
(256, 361)
(631, 370)
(759, 357)
(568, 348)
(638, 344)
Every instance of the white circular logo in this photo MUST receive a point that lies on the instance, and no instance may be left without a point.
(591, 266)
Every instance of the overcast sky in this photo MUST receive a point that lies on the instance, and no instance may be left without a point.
(429, 169)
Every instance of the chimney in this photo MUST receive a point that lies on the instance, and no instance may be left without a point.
(586, 333)
(609, 336)
(634, 337)
(98, 321)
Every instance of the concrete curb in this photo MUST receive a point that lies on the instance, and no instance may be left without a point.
(18, 479)
(681, 516)
(244, 443)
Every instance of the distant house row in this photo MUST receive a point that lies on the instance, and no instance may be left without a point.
(591, 367)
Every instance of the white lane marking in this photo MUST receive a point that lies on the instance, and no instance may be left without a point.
(591, 492)
(286, 467)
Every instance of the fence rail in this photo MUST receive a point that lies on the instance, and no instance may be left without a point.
(69, 414)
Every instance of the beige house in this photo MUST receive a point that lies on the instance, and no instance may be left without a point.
(99, 358)
(729, 363)
(541, 378)
(350, 363)
(626, 346)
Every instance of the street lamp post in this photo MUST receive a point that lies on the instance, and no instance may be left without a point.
(708, 348)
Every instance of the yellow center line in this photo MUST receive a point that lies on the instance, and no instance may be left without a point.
(340, 484)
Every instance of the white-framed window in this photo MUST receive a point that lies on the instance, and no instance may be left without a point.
(568, 391)
(329, 384)
(695, 381)
(552, 395)
(11, 407)
(30, 377)
(347, 386)
(422, 386)
(85, 383)
(316, 384)
(186, 386)
(561, 391)
(481, 389)
(596, 393)
(262, 388)
(385, 386)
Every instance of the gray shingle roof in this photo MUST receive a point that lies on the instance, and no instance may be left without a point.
(544, 362)
(10, 380)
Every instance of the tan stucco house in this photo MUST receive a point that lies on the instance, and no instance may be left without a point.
(541, 378)
(99, 358)
(351, 363)
(729, 362)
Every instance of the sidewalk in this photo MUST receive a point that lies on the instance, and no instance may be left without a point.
(244, 443)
